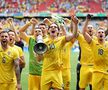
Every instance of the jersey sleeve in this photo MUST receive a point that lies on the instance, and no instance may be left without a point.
(27, 39)
(93, 42)
(63, 41)
(15, 54)
(80, 37)
(20, 52)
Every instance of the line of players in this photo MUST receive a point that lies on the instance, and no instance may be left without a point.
(52, 69)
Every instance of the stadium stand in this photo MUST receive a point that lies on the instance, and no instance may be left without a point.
(59, 6)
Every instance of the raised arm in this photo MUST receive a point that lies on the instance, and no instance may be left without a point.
(75, 29)
(106, 32)
(33, 25)
(22, 30)
(87, 37)
(71, 26)
(11, 23)
(47, 21)
(62, 28)
(86, 23)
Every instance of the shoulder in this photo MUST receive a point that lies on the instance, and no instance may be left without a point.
(80, 36)
(18, 48)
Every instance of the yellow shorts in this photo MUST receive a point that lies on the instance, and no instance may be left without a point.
(34, 82)
(8, 86)
(85, 76)
(100, 81)
(66, 74)
(51, 79)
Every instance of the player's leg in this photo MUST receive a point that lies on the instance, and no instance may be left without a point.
(3, 86)
(66, 78)
(46, 86)
(97, 81)
(78, 75)
(12, 86)
(21, 70)
(9, 86)
(46, 80)
(57, 80)
(105, 82)
(85, 77)
(90, 86)
(90, 75)
(34, 82)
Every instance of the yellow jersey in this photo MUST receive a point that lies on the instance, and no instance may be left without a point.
(66, 51)
(86, 52)
(20, 52)
(7, 69)
(52, 58)
(100, 52)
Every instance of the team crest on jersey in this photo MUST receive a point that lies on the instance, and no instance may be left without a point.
(64, 50)
(8, 52)
(51, 46)
(3, 60)
(1, 51)
(105, 45)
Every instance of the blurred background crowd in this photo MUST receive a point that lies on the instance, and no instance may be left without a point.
(58, 6)
(26, 8)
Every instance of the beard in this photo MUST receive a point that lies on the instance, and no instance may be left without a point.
(4, 43)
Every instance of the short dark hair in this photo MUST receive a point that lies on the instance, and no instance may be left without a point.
(10, 30)
(42, 24)
(3, 31)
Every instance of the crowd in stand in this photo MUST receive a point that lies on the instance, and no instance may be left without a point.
(59, 6)
(21, 22)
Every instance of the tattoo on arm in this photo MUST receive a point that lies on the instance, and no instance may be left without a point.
(17, 70)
